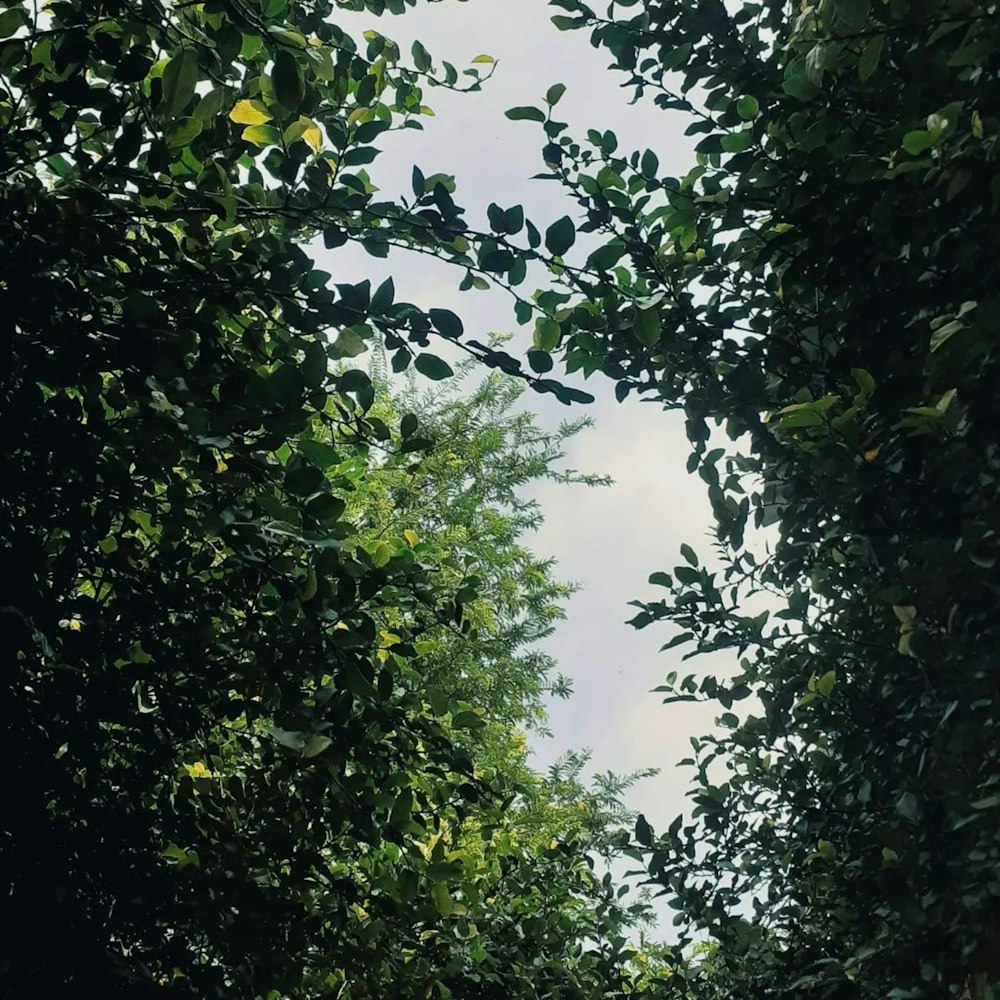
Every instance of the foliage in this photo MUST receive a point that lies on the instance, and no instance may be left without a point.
(823, 286)
(226, 780)
(468, 497)
(203, 708)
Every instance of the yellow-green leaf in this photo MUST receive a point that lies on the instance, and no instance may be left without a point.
(249, 113)
(442, 898)
(315, 745)
(312, 134)
(262, 135)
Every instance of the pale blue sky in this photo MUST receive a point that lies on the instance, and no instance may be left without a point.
(609, 540)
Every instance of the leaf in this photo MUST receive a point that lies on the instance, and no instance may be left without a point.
(554, 94)
(525, 114)
(547, 334)
(989, 802)
(286, 76)
(826, 683)
(421, 57)
(180, 77)
(12, 20)
(183, 131)
(350, 343)
(737, 142)
(540, 361)
(484, 59)
(381, 554)
(262, 135)
(312, 134)
(604, 258)
(467, 720)
(250, 113)
(799, 87)
(442, 898)
(870, 56)
(447, 324)
(689, 555)
(643, 831)
(383, 297)
(315, 745)
(908, 806)
(918, 141)
(432, 366)
(320, 454)
(646, 326)
(560, 236)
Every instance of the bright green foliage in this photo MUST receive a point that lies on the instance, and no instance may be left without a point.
(824, 286)
(465, 504)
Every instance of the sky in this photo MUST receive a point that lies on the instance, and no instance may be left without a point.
(608, 540)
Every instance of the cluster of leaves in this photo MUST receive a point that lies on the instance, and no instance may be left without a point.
(235, 770)
(244, 698)
(823, 287)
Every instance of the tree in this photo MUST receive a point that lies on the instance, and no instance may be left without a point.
(467, 498)
(822, 286)
(199, 720)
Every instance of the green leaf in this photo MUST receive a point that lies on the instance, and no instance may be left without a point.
(918, 141)
(540, 361)
(908, 806)
(383, 297)
(560, 236)
(646, 326)
(737, 142)
(180, 77)
(989, 802)
(870, 56)
(421, 57)
(432, 366)
(547, 334)
(526, 114)
(183, 131)
(554, 94)
(262, 135)
(381, 554)
(799, 87)
(826, 683)
(467, 720)
(320, 453)
(11, 21)
(315, 745)
(286, 76)
(643, 831)
(442, 898)
(447, 324)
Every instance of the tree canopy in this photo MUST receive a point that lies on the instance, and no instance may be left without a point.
(263, 690)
